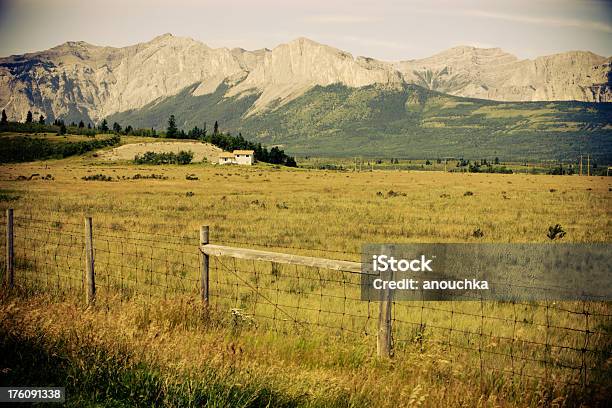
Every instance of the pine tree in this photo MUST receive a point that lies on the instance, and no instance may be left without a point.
(62, 128)
(89, 126)
(41, 120)
(104, 126)
(4, 120)
(29, 117)
(116, 127)
(172, 130)
(81, 124)
(290, 162)
(216, 128)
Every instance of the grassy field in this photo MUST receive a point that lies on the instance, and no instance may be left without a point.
(359, 163)
(151, 343)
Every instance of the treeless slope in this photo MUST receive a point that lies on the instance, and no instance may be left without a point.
(200, 150)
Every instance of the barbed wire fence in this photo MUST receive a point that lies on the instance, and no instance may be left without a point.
(567, 343)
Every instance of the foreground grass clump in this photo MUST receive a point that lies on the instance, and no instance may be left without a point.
(97, 370)
(170, 353)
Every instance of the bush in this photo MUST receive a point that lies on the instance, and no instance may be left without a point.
(555, 232)
(182, 157)
(561, 171)
(98, 177)
(139, 176)
(487, 168)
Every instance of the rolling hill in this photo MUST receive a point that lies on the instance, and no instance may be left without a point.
(408, 122)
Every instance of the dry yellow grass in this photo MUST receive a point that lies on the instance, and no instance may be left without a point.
(330, 210)
(315, 213)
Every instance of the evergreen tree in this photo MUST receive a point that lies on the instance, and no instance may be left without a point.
(62, 130)
(290, 162)
(29, 117)
(104, 126)
(172, 130)
(216, 128)
(81, 124)
(4, 120)
(276, 156)
(89, 126)
(116, 127)
(41, 120)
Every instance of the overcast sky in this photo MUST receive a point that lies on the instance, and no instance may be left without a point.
(383, 29)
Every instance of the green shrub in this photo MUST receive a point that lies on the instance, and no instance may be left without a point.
(555, 232)
(98, 177)
(182, 157)
(139, 176)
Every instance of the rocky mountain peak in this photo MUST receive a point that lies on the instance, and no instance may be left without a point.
(77, 79)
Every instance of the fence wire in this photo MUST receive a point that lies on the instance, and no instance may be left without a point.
(553, 342)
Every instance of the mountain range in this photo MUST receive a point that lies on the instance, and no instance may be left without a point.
(313, 98)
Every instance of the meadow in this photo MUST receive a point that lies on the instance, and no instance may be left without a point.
(281, 335)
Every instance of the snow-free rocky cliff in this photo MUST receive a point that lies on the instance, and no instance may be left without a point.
(80, 80)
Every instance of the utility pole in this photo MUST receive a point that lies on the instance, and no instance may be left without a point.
(589, 165)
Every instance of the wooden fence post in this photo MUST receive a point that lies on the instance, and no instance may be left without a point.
(89, 263)
(383, 341)
(10, 250)
(205, 259)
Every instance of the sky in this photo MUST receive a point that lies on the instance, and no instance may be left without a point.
(383, 29)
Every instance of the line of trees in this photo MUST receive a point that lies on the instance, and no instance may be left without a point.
(60, 127)
(228, 142)
(28, 126)
(225, 141)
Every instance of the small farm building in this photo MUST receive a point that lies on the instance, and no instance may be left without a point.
(243, 157)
